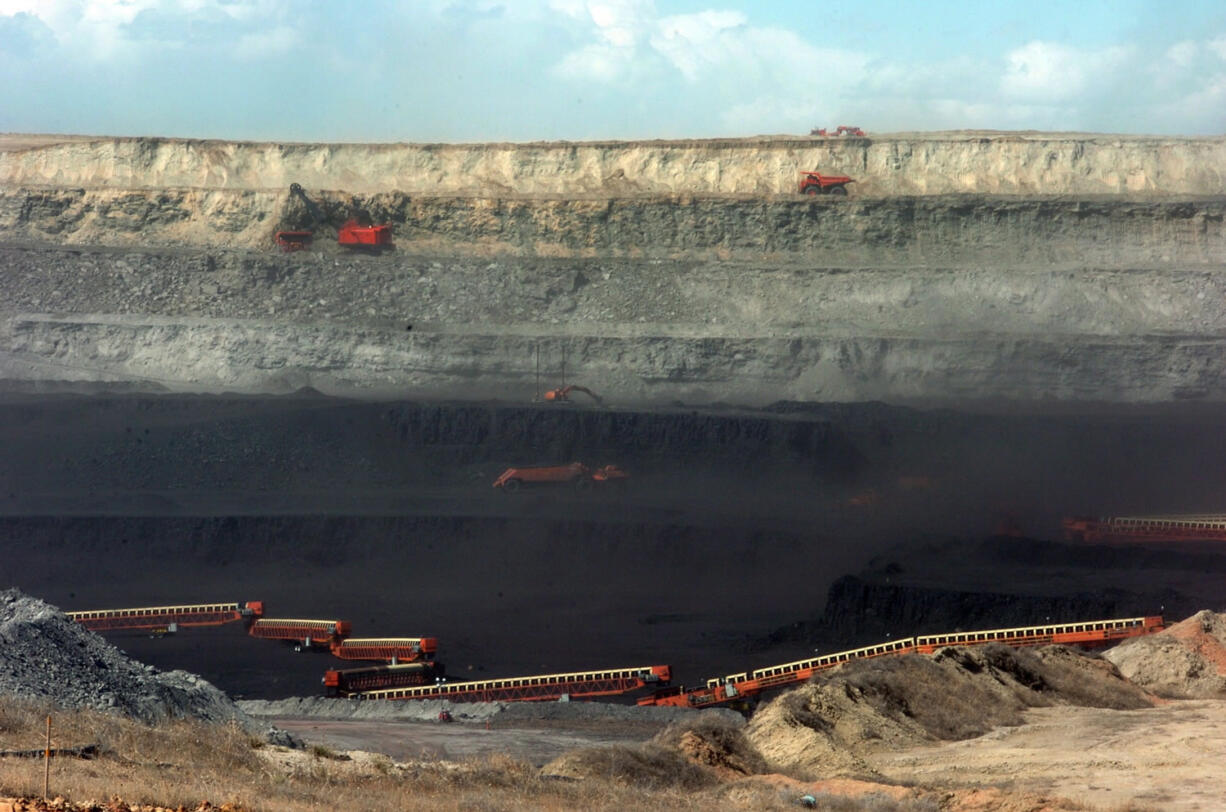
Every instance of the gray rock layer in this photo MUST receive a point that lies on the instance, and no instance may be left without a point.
(45, 656)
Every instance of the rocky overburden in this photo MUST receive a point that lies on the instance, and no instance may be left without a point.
(46, 657)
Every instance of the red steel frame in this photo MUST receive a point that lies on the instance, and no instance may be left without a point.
(736, 686)
(1196, 527)
(1089, 633)
(542, 687)
(402, 649)
(311, 632)
(355, 680)
(160, 617)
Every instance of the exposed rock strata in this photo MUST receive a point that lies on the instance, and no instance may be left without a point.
(854, 234)
(655, 272)
(928, 163)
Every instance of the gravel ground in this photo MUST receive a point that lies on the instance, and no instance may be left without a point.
(475, 712)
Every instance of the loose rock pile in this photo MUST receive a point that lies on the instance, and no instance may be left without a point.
(46, 656)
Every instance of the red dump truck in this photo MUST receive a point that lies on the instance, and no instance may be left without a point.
(815, 183)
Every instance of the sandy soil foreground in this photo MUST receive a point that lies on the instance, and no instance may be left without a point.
(1169, 757)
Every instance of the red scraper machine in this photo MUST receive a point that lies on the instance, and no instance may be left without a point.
(356, 235)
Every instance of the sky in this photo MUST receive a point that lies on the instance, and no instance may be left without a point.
(526, 70)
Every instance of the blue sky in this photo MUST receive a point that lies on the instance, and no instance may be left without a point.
(521, 70)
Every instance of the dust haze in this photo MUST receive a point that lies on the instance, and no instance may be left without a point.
(736, 523)
(881, 402)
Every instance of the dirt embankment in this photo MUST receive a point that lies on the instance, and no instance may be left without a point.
(963, 729)
(828, 727)
(1187, 660)
(978, 163)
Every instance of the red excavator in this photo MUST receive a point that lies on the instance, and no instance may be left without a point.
(843, 129)
(562, 394)
(353, 234)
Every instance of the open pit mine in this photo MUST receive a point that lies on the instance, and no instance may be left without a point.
(962, 267)
(617, 413)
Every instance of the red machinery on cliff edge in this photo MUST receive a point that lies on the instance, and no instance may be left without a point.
(843, 129)
(355, 233)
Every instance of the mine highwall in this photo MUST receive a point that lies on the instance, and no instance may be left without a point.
(637, 330)
(963, 267)
(929, 163)
(754, 371)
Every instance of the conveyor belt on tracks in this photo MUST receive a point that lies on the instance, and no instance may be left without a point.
(538, 687)
(162, 617)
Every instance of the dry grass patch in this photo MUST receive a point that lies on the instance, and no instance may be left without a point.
(183, 763)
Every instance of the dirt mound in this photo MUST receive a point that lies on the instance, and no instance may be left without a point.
(44, 656)
(827, 727)
(1187, 660)
(716, 744)
(700, 752)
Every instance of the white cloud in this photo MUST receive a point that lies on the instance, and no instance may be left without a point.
(693, 43)
(615, 28)
(1218, 46)
(1045, 72)
(617, 23)
(104, 29)
(1208, 100)
(1183, 53)
(598, 62)
(744, 77)
(265, 44)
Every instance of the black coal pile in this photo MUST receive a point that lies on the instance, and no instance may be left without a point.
(45, 656)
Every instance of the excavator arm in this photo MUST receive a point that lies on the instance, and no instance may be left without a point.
(317, 217)
(563, 394)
